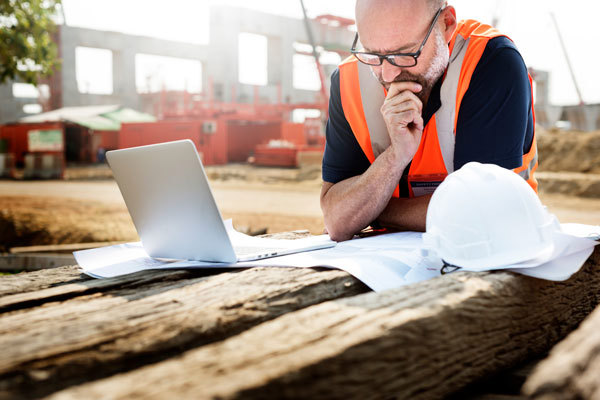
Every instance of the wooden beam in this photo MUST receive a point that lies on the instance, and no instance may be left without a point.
(572, 371)
(33, 281)
(422, 341)
(60, 248)
(34, 261)
(36, 280)
(90, 286)
(62, 336)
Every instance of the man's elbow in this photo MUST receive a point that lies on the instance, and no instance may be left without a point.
(339, 235)
(335, 226)
(336, 229)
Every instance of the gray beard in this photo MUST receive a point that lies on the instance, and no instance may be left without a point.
(431, 76)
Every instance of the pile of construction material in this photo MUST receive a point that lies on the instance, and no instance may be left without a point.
(569, 163)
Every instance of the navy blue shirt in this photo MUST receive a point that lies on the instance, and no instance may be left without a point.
(495, 121)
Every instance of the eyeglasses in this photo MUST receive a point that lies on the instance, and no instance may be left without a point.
(400, 59)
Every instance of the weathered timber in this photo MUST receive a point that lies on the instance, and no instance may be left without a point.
(572, 371)
(27, 282)
(31, 281)
(504, 384)
(117, 326)
(59, 248)
(422, 341)
(34, 261)
(89, 286)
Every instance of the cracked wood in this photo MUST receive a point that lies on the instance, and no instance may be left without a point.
(422, 341)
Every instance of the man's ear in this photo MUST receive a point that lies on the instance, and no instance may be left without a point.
(449, 18)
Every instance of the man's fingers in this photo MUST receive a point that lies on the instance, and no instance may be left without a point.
(418, 121)
(400, 108)
(400, 99)
(399, 87)
(405, 118)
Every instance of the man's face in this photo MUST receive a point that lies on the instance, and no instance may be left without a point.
(400, 27)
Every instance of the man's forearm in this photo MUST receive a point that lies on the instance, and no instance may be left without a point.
(350, 205)
(405, 214)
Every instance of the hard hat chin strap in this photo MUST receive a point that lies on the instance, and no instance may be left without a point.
(449, 268)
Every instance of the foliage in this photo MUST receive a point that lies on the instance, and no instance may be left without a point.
(27, 51)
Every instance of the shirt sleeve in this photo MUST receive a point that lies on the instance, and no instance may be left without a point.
(495, 120)
(343, 157)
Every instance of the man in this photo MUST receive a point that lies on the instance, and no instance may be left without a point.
(424, 96)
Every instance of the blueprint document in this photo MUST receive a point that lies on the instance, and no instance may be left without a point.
(380, 262)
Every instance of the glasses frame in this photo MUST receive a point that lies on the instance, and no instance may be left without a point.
(389, 57)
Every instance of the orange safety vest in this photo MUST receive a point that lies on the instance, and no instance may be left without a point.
(362, 97)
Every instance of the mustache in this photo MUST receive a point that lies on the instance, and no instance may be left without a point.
(407, 77)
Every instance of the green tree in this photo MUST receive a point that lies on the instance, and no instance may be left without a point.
(27, 51)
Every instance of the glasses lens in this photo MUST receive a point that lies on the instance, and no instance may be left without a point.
(370, 59)
(403, 61)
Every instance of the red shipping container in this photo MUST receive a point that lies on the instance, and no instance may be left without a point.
(208, 136)
(294, 133)
(276, 156)
(243, 136)
(18, 140)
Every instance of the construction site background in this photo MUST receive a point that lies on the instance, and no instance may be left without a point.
(261, 142)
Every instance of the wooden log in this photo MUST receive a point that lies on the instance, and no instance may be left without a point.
(497, 386)
(27, 282)
(89, 286)
(34, 261)
(31, 281)
(572, 371)
(60, 248)
(97, 328)
(422, 341)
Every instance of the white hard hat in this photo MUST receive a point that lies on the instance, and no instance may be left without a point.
(486, 217)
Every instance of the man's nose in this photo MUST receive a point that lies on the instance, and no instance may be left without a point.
(389, 72)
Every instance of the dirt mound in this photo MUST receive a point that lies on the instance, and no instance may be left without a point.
(570, 183)
(28, 221)
(308, 174)
(569, 151)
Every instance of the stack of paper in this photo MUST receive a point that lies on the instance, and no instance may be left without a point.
(381, 262)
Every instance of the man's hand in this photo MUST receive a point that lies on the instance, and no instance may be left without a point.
(401, 111)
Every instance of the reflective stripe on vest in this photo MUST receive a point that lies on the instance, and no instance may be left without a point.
(362, 97)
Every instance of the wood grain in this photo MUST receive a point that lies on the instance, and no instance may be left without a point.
(572, 371)
(32, 281)
(422, 341)
(107, 326)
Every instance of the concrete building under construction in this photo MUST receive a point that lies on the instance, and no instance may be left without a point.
(285, 38)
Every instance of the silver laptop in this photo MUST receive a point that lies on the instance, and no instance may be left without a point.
(169, 199)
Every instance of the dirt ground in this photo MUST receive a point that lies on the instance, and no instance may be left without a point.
(78, 211)
(569, 151)
(88, 207)
(55, 212)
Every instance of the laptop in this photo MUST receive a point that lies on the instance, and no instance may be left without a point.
(174, 212)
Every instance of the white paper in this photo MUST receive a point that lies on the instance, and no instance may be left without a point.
(243, 240)
(568, 254)
(581, 230)
(381, 262)
(120, 259)
(559, 269)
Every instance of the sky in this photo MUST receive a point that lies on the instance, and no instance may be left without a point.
(527, 22)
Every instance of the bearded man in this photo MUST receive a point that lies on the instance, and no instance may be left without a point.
(423, 96)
